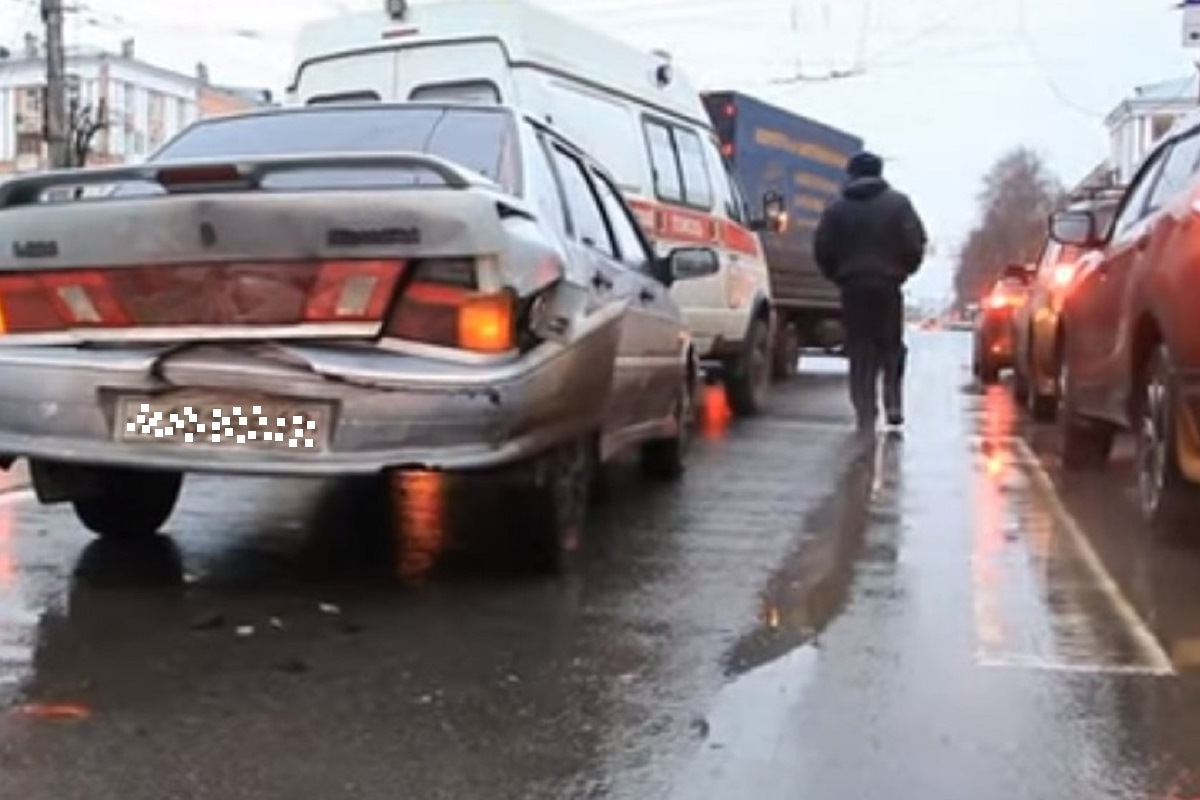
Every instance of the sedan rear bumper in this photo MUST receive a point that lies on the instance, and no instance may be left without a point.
(385, 409)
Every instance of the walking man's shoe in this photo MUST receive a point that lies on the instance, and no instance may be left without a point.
(895, 418)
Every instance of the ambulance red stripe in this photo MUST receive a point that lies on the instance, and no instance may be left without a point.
(693, 227)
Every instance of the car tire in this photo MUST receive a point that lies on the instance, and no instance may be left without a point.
(553, 512)
(1020, 386)
(1168, 500)
(1043, 407)
(988, 372)
(1086, 443)
(130, 504)
(666, 459)
(748, 377)
(785, 362)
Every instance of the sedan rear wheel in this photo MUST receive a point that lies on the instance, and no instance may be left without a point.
(554, 506)
(129, 504)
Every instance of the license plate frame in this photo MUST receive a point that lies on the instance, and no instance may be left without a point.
(187, 419)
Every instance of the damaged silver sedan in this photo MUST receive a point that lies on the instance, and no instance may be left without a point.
(339, 290)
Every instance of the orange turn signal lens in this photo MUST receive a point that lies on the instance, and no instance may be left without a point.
(485, 323)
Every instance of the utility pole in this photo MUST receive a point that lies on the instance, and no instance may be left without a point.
(57, 135)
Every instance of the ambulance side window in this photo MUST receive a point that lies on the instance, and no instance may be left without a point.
(697, 189)
(727, 193)
(668, 183)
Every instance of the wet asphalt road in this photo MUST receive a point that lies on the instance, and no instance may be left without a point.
(940, 615)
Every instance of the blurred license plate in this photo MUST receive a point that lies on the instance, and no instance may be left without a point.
(216, 421)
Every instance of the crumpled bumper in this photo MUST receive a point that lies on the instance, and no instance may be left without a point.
(386, 409)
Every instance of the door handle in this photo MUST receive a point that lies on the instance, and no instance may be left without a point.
(601, 283)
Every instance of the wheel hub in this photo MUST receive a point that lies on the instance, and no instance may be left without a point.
(1152, 446)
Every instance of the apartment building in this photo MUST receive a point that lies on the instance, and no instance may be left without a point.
(145, 104)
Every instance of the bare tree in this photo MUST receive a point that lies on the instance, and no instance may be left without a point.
(1019, 193)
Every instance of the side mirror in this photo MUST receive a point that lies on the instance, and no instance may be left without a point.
(1076, 228)
(686, 263)
(774, 218)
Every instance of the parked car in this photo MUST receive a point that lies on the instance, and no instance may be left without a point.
(341, 290)
(1038, 323)
(1132, 348)
(993, 325)
(636, 112)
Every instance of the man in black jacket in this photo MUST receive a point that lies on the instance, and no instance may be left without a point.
(869, 242)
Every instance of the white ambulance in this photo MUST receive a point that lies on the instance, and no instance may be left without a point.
(633, 111)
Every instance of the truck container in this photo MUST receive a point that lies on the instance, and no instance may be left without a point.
(772, 150)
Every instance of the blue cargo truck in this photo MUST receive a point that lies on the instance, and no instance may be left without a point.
(771, 150)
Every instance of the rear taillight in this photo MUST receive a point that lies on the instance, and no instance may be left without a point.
(441, 305)
(56, 302)
(1001, 299)
(263, 293)
(1063, 275)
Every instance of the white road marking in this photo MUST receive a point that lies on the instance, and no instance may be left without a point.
(1016, 625)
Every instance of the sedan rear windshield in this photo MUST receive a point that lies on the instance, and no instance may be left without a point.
(482, 140)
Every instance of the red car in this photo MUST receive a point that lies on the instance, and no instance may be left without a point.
(994, 341)
(1132, 351)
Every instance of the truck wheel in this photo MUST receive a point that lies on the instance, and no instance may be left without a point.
(129, 504)
(748, 378)
(554, 503)
(1169, 501)
(786, 360)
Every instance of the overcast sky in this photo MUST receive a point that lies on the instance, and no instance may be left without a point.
(946, 85)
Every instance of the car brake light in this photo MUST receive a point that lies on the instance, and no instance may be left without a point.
(442, 306)
(204, 174)
(727, 150)
(26, 307)
(352, 291)
(1063, 275)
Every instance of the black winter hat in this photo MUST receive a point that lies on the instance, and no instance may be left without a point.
(864, 165)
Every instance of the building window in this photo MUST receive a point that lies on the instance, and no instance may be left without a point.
(31, 102)
(1160, 125)
(29, 145)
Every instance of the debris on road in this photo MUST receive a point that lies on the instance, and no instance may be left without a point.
(245, 631)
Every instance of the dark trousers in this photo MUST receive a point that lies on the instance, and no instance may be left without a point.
(873, 317)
